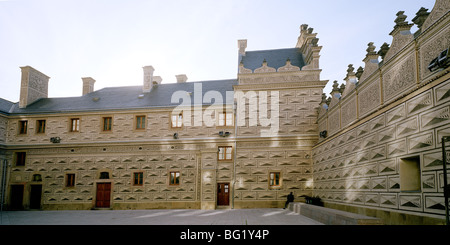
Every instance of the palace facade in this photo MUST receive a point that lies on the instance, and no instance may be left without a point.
(373, 147)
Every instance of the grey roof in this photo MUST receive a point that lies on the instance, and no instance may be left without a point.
(275, 58)
(5, 106)
(130, 97)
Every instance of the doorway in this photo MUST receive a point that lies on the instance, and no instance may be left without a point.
(35, 196)
(223, 194)
(17, 197)
(103, 195)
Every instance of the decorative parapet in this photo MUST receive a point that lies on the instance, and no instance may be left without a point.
(335, 95)
(401, 35)
(288, 67)
(420, 18)
(308, 44)
(371, 62)
(441, 8)
(403, 70)
(350, 81)
(302, 62)
(383, 50)
(265, 68)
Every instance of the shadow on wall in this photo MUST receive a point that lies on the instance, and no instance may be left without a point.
(313, 200)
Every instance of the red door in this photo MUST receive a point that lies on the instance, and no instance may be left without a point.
(223, 194)
(103, 195)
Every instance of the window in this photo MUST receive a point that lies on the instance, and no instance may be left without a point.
(274, 179)
(177, 120)
(23, 125)
(107, 123)
(37, 177)
(20, 158)
(40, 126)
(140, 122)
(104, 175)
(138, 178)
(410, 174)
(225, 119)
(70, 180)
(174, 178)
(225, 153)
(74, 125)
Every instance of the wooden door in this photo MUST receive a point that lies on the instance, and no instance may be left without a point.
(223, 194)
(17, 197)
(35, 196)
(103, 195)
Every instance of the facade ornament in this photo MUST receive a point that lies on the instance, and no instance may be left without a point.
(335, 87)
(350, 70)
(383, 50)
(350, 80)
(288, 67)
(314, 42)
(421, 16)
(324, 99)
(243, 70)
(401, 35)
(400, 20)
(359, 72)
(264, 68)
(371, 62)
(342, 88)
(370, 49)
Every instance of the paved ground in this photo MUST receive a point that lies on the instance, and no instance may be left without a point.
(157, 217)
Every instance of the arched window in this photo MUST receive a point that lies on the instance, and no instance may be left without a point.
(37, 177)
(104, 175)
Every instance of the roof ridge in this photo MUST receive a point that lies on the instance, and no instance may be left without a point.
(275, 49)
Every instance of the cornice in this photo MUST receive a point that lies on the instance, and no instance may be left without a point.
(280, 86)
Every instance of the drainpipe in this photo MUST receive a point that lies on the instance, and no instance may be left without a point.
(234, 152)
(3, 184)
(446, 186)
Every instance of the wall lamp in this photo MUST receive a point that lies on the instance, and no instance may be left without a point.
(442, 61)
(224, 134)
(55, 139)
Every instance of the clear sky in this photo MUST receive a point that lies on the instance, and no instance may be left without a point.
(111, 40)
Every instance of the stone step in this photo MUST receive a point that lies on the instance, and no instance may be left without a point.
(330, 216)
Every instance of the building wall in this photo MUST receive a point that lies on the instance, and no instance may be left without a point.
(386, 133)
(121, 152)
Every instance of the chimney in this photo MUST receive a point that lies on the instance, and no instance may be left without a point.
(34, 86)
(148, 77)
(242, 45)
(182, 78)
(88, 85)
(156, 80)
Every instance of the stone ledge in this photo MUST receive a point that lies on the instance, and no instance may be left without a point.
(330, 216)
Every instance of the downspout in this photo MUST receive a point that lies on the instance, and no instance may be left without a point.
(3, 184)
(234, 152)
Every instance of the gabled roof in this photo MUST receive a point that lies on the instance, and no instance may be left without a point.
(129, 97)
(275, 58)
